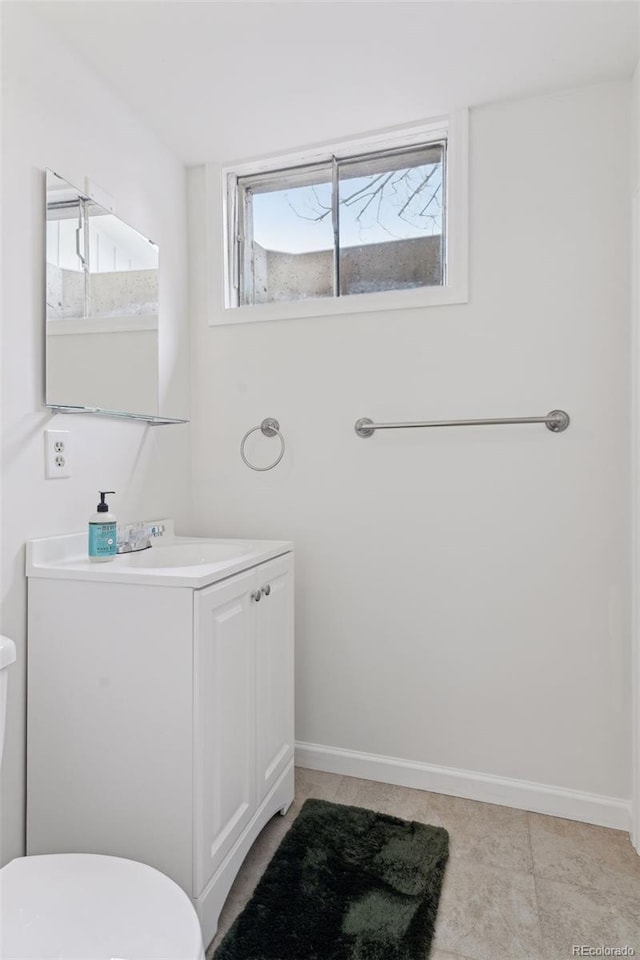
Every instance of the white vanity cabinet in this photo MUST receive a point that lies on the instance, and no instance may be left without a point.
(160, 716)
(244, 703)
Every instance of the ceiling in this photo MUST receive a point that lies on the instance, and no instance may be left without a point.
(231, 80)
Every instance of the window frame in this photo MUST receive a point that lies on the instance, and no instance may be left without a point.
(221, 181)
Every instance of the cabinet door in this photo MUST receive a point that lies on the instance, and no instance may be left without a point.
(224, 680)
(274, 666)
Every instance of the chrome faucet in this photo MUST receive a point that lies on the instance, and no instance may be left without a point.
(133, 537)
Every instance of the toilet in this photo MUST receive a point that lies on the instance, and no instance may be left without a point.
(84, 906)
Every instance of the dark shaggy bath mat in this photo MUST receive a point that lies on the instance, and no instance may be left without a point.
(345, 884)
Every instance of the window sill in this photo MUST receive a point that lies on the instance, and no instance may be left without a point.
(339, 306)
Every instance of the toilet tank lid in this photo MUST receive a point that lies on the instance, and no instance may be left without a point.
(7, 652)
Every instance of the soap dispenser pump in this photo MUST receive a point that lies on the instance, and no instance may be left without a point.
(103, 533)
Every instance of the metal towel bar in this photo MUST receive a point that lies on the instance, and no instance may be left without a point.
(556, 421)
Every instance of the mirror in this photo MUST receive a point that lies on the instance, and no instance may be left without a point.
(101, 309)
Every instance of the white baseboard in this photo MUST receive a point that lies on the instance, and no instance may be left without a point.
(521, 794)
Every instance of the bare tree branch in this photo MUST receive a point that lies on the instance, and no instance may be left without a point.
(418, 190)
(317, 219)
(367, 186)
(433, 197)
(399, 189)
(373, 195)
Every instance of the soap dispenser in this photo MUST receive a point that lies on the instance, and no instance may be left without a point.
(103, 533)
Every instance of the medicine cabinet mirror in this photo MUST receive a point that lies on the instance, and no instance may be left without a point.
(102, 333)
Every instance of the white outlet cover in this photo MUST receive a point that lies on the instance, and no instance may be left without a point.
(57, 454)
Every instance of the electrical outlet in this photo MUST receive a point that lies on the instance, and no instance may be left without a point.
(57, 454)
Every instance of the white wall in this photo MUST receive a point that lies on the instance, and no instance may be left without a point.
(58, 114)
(462, 595)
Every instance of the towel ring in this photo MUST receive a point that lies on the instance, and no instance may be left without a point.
(270, 428)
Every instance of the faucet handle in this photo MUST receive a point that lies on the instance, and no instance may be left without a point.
(136, 536)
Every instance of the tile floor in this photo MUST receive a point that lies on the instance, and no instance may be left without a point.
(518, 886)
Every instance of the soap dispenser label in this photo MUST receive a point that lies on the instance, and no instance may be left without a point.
(103, 540)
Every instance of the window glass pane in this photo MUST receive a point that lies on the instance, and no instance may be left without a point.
(288, 250)
(391, 213)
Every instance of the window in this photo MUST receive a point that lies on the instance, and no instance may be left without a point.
(363, 225)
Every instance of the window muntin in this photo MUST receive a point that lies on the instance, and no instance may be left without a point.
(357, 224)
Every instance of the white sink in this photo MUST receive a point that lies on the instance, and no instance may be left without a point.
(190, 553)
(170, 561)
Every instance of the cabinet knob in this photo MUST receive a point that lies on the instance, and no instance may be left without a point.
(266, 590)
(256, 596)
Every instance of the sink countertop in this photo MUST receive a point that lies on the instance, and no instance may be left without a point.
(65, 558)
